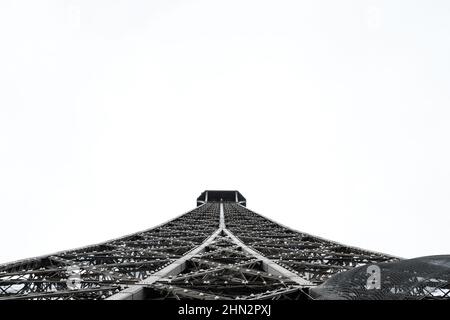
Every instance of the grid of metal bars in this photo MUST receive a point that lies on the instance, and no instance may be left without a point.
(220, 250)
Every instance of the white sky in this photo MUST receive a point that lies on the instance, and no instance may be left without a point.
(331, 117)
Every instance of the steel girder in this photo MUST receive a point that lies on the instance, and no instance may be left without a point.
(219, 250)
(109, 267)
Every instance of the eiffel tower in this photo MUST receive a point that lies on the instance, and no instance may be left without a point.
(219, 250)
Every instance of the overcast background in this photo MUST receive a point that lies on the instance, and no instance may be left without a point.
(331, 117)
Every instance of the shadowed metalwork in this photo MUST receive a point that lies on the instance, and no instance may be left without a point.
(219, 250)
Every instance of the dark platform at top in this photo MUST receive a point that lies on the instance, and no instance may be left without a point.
(221, 195)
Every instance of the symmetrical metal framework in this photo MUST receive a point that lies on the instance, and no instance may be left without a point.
(219, 250)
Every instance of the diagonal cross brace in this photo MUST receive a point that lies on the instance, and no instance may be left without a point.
(136, 292)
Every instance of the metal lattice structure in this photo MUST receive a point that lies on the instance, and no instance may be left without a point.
(219, 250)
(423, 278)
